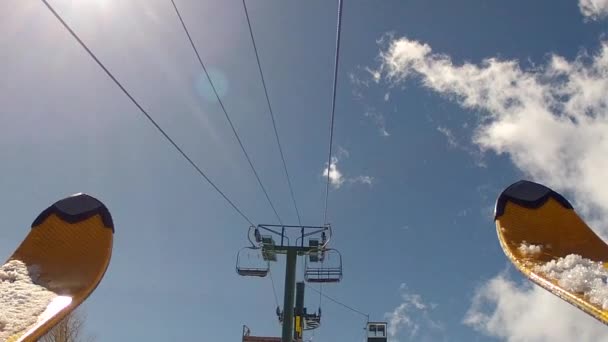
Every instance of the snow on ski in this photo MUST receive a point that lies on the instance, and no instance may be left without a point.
(57, 266)
(545, 239)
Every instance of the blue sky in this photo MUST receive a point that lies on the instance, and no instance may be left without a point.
(440, 106)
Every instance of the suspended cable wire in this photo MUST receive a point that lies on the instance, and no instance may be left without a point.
(339, 302)
(320, 293)
(274, 290)
(331, 127)
(333, 107)
(365, 331)
(198, 56)
(143, 111)
(276, 133)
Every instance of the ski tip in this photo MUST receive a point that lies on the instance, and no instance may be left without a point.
(76, 208)
(527, 194)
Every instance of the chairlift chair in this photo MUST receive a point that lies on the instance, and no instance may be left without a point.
(250, 263)
(326, 270)
(377, 332)
(312, 321)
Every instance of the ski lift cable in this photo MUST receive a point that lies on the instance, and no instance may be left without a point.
(320, 302)
(331, 125)
(198, 56)
(276, 133)
(340, 303)
(320, 294)
(274, 290)
(333, 107)
(144, 112)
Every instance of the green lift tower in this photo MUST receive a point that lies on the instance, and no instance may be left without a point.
(322, 264)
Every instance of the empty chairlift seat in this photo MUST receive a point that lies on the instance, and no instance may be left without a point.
(251, 263)
(312, 321)
(376, 332)
(327, 269)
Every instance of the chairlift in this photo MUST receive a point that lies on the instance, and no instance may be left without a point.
(327, 269)
(312, 321)
(268, 251)
(376, 332)
(250, 263)
(257, 235)
(316, 253)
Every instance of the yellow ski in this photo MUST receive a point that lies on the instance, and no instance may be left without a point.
(545, 239)
(57, 266)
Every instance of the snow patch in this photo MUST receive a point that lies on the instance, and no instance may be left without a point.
(527, 249)
(577, 274)
(21, 300)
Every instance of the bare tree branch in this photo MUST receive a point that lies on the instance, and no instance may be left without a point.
(70, 329)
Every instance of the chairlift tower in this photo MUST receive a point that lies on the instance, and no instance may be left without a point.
(322, 264)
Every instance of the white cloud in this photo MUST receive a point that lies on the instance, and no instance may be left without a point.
(552, 121)
(594, 9)
(449, 136)
(336, 178)
(378, 119)
(454, 143)
(362, 179)
(411, 318)
(342, 152)
(361, 84)
(528, 313)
